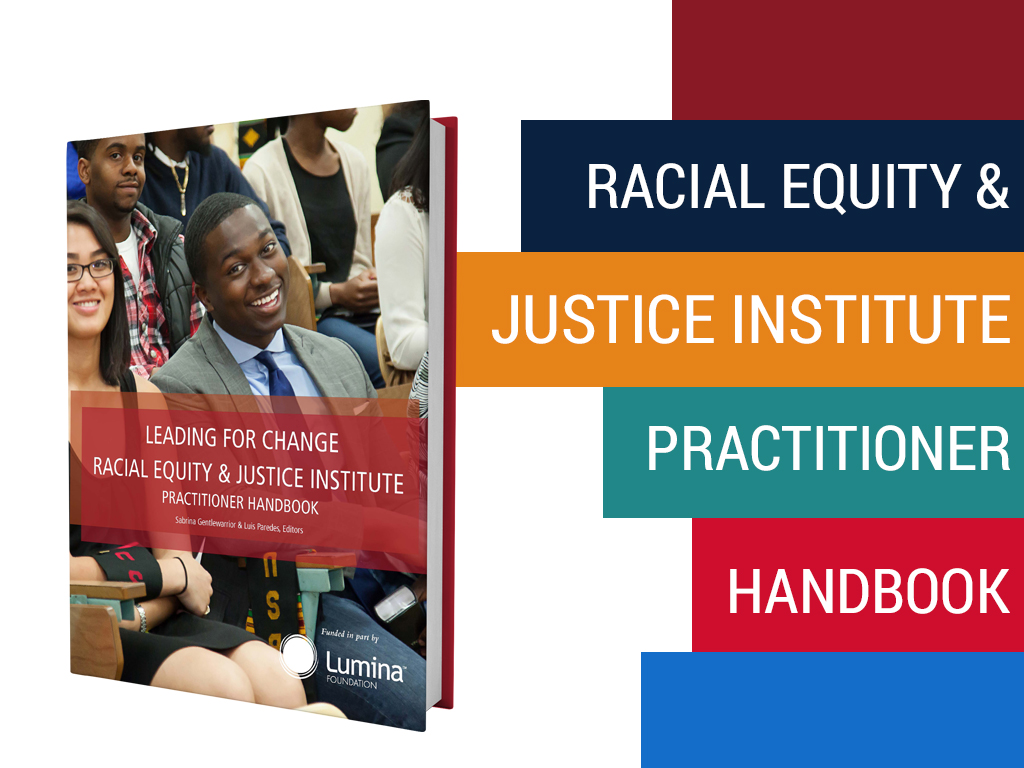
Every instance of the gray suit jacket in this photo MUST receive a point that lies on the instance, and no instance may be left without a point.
(205, 366)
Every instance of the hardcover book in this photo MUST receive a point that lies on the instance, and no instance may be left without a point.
(261, 392)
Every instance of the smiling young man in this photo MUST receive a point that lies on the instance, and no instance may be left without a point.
(243, 345)
(163, 311)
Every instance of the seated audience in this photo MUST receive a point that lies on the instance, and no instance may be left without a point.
(402, 265)
(321, 189)
(244, 347)
(163, 311)
(184, 167)
(167, 642)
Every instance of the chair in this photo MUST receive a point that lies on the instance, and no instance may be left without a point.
(300, 310)
(120, 596)
(400, 392)
(373, 238)
(320, 572)
(95, 642)
(393, 377)
(96, 608)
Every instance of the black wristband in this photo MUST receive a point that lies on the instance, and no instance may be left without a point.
(132, 564)
(186, 575)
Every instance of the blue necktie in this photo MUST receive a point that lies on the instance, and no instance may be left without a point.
(279, 384)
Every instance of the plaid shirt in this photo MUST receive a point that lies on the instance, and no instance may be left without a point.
(147, 326)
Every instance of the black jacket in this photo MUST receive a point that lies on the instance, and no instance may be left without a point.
(173, 279)
(210, 173)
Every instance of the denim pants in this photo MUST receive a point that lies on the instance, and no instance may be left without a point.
(364, 342)
(376, 696)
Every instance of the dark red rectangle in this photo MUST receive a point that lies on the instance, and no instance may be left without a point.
(873, 60)
(865, 545)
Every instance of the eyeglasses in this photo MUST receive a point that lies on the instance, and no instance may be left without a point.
(98, 269)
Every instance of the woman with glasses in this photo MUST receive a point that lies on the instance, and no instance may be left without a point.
(167, 643)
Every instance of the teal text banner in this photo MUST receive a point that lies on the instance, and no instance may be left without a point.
(813, 452)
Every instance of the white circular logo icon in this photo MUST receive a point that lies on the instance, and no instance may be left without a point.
(298, 656)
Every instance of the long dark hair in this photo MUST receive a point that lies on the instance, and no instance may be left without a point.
(413, 170)
(115, 346)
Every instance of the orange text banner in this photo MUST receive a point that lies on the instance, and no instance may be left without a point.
(664, 317)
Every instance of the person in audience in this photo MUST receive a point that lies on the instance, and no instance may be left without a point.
(402, 264)
(396, 134)
(244, 347)
(420, 388)
(184, 167)
(163, 310)
(76, 189)
(167, 642)
(320, 189)
(241, 275)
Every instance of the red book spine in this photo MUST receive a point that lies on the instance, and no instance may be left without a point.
(451, 176)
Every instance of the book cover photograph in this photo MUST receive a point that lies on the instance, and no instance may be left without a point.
(260, 425)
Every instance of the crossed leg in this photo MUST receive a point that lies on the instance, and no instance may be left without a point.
(249, 672)
(271, 685)
(199, 670)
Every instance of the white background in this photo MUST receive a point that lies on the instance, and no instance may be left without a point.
(554, 603)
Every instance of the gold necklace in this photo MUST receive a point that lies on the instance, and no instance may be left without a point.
(181, 187)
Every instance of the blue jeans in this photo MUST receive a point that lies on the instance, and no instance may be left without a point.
(373, 696)
(364, 342)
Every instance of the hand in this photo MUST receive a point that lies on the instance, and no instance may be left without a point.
(419, 589)
(358, 294)
(196, 597)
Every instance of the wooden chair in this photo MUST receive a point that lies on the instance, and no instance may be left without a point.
(96, 608)
(393, 377)
(95, 642)
(117, 595)
(320, 572)
(300, 310)
(373, 238)
(400, 392)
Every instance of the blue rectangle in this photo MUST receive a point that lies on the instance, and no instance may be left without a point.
(832, 709)
(556, 157)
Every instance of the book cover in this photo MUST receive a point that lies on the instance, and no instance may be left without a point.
(256, 499)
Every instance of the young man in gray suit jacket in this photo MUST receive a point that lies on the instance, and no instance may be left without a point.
(243, 345)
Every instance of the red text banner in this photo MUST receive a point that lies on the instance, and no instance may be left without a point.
(858, 585)
(230, 476)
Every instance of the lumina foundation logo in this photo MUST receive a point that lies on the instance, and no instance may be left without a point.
(349, 672)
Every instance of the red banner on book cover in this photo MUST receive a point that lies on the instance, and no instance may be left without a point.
(234, 476)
